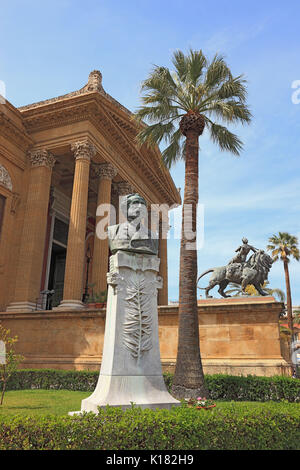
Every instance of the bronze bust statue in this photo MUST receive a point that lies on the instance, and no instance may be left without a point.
(132, 235)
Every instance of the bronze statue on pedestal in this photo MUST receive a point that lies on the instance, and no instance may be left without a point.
(241, 271)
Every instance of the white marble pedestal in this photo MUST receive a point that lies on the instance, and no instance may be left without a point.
(131, 369)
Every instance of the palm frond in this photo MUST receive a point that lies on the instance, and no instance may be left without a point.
(229, 111)
(217, 72)
(162, 112)
(180, 62)
(154, 134)
(284, 245)
(278, 293)
(225, 139)
(233, 88)
(174, 151)
(197, 85)
(196, 62)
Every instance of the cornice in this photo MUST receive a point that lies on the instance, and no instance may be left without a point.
(13, 133)
(113, 122)
(59, 113)
(125, 143)
(151, 157)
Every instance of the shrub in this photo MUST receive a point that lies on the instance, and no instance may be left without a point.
(48, 379)
(181, 428)
(220, 386)
(253, 388)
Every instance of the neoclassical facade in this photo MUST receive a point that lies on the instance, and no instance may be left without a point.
(60, 159)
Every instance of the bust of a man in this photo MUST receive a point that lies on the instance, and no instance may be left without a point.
(132, 235)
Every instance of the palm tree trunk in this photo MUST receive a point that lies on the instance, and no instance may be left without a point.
(288, 295)
(189, 378)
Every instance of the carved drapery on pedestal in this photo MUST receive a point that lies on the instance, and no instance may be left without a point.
(138, 321)
(131, 367)
(73, 282)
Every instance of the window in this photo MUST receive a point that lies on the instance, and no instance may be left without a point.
(60, 232)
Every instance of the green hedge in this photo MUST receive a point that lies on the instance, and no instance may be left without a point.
(233, 428)
(47, 379)
(253, 388)
(220, 387)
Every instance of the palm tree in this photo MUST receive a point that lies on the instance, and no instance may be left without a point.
(283, 246)
(236, 290)
(178, 106)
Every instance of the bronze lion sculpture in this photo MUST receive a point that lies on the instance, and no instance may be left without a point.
(254, 271)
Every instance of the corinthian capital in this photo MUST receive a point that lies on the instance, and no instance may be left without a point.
(124, 188)
(41, 157)
(83, 149)
(105, 171)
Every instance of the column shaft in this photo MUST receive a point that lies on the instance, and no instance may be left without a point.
(73, 282)
(163, 269)
(31, 253)
(105, 172)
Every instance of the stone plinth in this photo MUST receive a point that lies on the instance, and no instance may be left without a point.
(238, 336)
(131, 369)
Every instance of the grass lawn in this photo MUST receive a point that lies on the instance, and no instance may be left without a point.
(60, 402)
(41, 402)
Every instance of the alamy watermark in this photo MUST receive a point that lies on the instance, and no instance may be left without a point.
(156, 220)
(296, 93)
(2, 92)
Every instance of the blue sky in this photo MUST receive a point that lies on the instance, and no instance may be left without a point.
(49, 48)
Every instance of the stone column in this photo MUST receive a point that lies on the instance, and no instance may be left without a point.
(105, 172)
(28, 278)
(73, 283)
(163, 268)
